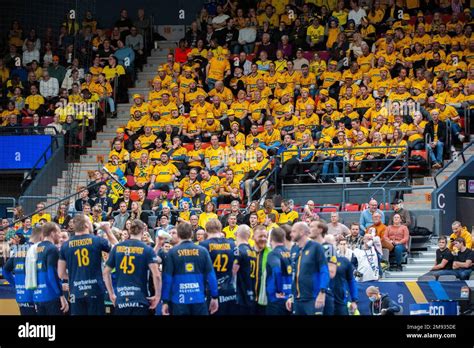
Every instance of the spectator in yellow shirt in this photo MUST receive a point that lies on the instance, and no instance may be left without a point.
(40, 214)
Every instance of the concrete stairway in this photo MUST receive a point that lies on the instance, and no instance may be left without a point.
(420, 197)
(97, 155)
(419, 263)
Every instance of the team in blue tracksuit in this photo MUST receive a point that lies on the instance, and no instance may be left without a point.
(311, 276)
(83, 257)
(130, 259)
(245, 279)
(330, 254)
(14, 272)
(49, 290)
(344, 286)
(279, 280)
(187, 275)
(222, 251)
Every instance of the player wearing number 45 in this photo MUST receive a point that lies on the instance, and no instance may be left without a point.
(81, 256)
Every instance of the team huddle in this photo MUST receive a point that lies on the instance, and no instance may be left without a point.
(256, 272)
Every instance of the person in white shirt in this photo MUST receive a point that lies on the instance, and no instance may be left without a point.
(49, 86)
(30, 54)
(343, 250)
(219, 21)
(367, 261)
(299, 60)
(336, 228)
(55, 125)
(70, 79)
(356, 13)
(247, 36)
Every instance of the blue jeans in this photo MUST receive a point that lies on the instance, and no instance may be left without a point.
(327, 163)
(398, 251)
(436, 154)
(455, 127)
(111, 103)
(211, 83)
(336, 162)
(462, 274)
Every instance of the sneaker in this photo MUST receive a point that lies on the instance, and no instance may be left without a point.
(114, 115)
(333, 180)
(461, 138)
(320, 181)
(399, 268)
(436, 166)
(312, 176)
(361, 179)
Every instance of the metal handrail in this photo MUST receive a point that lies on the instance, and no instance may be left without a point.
(252, 193)
(362, 189)
(4, 131)
(411, 188)
(55, 203)
(435, 178)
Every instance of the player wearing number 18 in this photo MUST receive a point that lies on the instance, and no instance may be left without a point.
(82, 257)
(131, 259)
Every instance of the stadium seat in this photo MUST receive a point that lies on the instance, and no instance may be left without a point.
(26, 121)
(130, 181)
(152, 194)
(324, 55)
(385, 206)
(329, 209)
(45, 120)
(134, 195)
(260, 129)
(364, 206)
(205, 145)
(447, 278)
(351, 207)
(426, 278)
(152, 221)
(188, 146)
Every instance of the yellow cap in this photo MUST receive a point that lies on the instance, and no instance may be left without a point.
(174, 108)
(301, 123)
(193, 113)
(161, 69)
(304, 89)
(120, 130)
(333, 62)
(230, 112)
(173, 85)
(137, 96)
(420, 14)
(401, 84)
(439, 101)
(324, 92)
(281, 79)
(188, 68)
(235, 122)
(225, 51)
(326, 139)
(455, 85)
(156, 79)
(210, 115)
(406, 17)
(434, 110)
(348, 76)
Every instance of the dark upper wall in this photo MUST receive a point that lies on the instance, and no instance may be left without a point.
(43, 13)
(164, 12)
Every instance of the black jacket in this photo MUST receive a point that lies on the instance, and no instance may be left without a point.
(429, 129)
(385, 302)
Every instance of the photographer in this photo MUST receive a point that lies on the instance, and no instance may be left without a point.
(380, 304)
(366, 260)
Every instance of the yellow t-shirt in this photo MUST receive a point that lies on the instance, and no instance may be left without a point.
(217, 67)
(289, 217)
(164, 172)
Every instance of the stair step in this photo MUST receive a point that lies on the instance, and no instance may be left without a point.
(421, 261)
(416, 196)
(405, 275)
(417, 205)
(417, 268)
(143, 84)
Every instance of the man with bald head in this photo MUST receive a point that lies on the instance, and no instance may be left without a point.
(311, 279)
(366, 219)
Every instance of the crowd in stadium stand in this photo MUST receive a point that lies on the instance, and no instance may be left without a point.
(300, 93)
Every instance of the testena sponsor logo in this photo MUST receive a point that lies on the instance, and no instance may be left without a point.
(37, 331)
